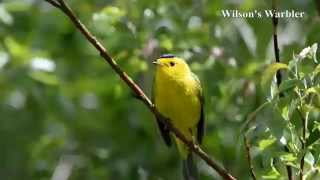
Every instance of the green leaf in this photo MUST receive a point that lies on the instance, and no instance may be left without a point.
(293, 66)
(289, 84)
(265, 143)
(18, 6)
(113, 11)
(17, 50)
(313, 90)
(287, 106)
(314, 134)
(109, 17)
(285, 112)
(316, 126)
(316, 70)
(270, 72)
(313, 52)
(313, 139)
(109, 14)
(44, 77)
(307, 108)
(273, 173)
(289, 159)
(309, 159)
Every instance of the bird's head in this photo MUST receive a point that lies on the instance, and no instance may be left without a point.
(171, 66)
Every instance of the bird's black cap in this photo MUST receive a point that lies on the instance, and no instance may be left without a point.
(167, 56)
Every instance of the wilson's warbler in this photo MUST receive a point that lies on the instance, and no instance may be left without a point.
(177, 94)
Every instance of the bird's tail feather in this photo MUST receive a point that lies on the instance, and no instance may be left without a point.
(189, 169)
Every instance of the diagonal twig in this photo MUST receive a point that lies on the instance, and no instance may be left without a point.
(248, 155)
(54, 3)
(137, 90)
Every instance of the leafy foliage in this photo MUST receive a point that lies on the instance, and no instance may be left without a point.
(296, 101)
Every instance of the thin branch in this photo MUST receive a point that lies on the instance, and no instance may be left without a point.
(275, 41)
(248, 155)
(303, 141)
(54, 3)
(137, 90)
(278, 74)
(289, 169)
(317, 2)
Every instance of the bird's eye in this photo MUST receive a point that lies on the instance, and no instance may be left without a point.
(172, 63)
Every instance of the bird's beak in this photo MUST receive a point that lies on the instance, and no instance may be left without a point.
(156, 63)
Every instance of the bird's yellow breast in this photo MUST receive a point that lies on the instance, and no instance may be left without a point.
(178, 100)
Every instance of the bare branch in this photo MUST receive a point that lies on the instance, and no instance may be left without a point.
(289, 169)
(278, 75)
(248, 155)
(54, 3)
(137, 90)
(275, 42)
(303, 141)
(317, 2)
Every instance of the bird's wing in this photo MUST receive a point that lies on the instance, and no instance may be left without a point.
(201, 123)
(164, 131)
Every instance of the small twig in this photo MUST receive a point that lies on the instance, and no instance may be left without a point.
(248, 155)
(289, 169)
(252, 116)
(278, 74)
(303, 141)
(275, 42)
(137, 90)
(54, 3)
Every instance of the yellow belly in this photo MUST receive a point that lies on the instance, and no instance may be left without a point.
(179, 101)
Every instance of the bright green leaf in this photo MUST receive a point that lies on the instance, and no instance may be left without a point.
(17, 50)
(316, 70)
(289, 159)
(313, 90)
(44, 77)
(314, 49)
(308, 158)
(265, 143)
(270, 72)
(110, 14)
(273, 173)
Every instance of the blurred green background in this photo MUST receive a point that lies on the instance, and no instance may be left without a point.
(64, 113)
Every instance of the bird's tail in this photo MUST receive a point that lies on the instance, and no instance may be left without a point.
(189, 169)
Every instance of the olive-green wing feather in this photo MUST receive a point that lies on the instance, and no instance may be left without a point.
(164, 131)
(201, 123)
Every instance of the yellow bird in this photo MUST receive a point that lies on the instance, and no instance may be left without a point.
(177, 94)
